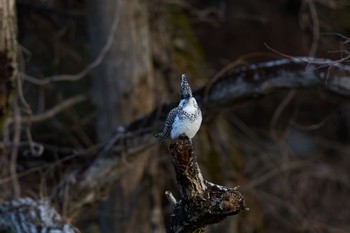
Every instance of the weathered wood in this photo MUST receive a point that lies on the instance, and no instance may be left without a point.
(202, 202)
(28, 216)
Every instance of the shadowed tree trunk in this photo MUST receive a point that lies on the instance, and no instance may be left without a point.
(8, 73)
(122, 90)
(8, 55)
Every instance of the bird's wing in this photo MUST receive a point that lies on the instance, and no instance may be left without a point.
(169, 122)
(168, 125)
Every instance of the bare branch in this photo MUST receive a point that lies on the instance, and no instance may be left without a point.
(88, 68)
(53, 111)
(241, 84)
(14, 151)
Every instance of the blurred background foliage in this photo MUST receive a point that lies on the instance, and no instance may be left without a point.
(288, 151)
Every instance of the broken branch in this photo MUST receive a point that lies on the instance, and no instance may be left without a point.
(202, 202)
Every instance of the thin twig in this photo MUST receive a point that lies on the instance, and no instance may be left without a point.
(315, 28)
(279, 111)
(273, 173)
(53, 111)
(88, 68)
(314, 126)
(309, 60)
(14, 151)
(242, 60)
(89, 151)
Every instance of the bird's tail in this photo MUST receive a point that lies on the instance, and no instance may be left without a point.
(161, 137)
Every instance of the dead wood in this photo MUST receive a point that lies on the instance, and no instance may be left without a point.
(28, 216)
(202, 202)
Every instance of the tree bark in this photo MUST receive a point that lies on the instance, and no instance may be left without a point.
(202, 202)
(122, 90)
(28, 216)
(124, 77)
(8, 56)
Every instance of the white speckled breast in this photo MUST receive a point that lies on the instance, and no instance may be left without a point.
(187, 121)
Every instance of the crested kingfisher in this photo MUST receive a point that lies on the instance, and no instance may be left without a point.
(186, 118)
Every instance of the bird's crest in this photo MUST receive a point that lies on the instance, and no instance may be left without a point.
(185, 90)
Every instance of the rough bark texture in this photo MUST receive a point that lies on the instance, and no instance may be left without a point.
(28, 216)
(238, 85)
(202, 202)
(8, 55)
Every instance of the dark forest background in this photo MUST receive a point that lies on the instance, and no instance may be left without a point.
(87, 67)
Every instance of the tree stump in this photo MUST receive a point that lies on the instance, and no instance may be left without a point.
(202, 202)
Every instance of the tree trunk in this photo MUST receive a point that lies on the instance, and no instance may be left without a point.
(8, 56)
(8, 73)
(122, 90)
(123, 82)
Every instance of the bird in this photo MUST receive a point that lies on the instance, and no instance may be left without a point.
(186, 118)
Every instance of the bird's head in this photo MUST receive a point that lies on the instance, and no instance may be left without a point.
(185, 90)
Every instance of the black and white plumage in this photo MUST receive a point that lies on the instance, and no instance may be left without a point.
(185, 89)
(186, 118)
